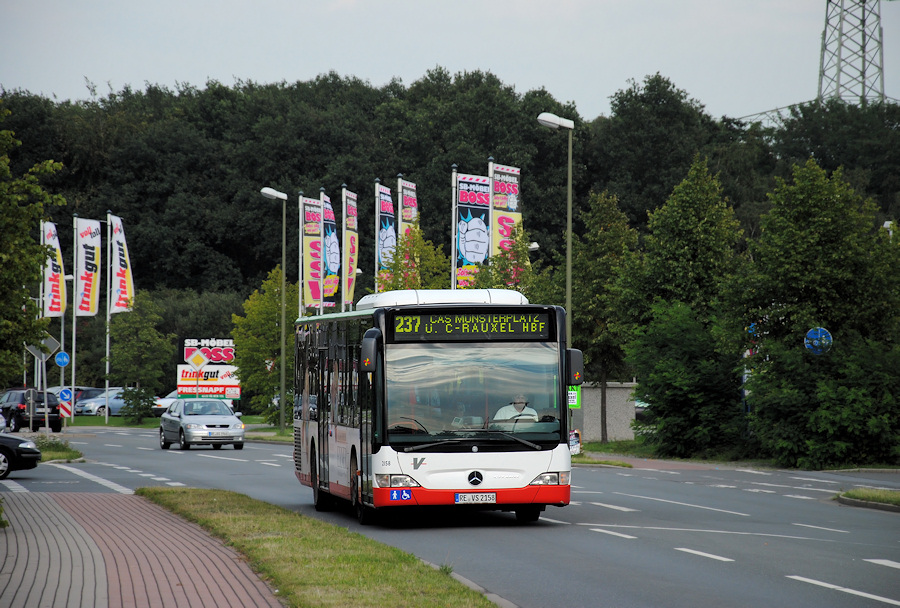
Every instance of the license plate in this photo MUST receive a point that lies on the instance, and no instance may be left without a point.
(218, 433)
(472, 498)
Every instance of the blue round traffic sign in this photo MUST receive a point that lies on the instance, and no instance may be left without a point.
(818, 341)
(65, 394)
(62, 358)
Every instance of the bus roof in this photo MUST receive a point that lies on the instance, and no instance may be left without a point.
(412, 297)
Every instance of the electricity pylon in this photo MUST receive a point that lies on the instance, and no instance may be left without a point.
(851, 67)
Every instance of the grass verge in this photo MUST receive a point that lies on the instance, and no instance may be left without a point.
(54, 448)
(310, 562)
(584, 459)
(887, 497)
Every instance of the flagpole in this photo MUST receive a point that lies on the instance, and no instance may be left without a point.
(453, 220)
(74, 300)
(108, 288)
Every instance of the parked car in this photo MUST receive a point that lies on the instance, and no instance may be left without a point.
(190, 422)
(163, 403)
(82, 393)
(17, 454)
(23, 408)
(97, 405)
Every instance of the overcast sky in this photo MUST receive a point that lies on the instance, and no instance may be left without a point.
(736, 57)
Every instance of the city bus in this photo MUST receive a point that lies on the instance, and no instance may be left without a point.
(405, 402)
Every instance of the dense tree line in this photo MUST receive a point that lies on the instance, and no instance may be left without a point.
(677, 215)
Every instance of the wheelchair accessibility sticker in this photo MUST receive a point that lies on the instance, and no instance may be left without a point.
(401, 495)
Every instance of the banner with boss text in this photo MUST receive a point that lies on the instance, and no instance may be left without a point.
(472, 223)
(507, 205)
(312, 251)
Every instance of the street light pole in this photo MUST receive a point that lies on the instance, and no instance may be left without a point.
(553, 121)
(275, 194)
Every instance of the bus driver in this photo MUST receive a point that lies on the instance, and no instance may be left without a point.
(518, 408)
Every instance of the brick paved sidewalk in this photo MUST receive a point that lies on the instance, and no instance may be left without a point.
(112, 550)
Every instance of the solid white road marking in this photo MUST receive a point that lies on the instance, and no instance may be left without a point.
(103, 482)
(702, 554)
(611, 533)
(811, 581)
(14, 486)
(684, 504)
(821, 528)
(223, 458)
(625, 509)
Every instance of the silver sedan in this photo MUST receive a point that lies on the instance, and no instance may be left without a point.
(190, 422)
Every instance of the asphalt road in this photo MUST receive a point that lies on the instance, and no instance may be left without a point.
(661, 534)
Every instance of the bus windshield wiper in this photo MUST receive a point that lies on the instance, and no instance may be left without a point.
(422, 446)
(513, 437)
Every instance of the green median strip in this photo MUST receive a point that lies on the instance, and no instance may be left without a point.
(312, 563)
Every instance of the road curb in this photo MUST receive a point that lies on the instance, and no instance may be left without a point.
(880, 506)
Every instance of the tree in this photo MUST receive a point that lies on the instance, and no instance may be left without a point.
(22, 207)
(646, 146)
(822, 262)
(597, 257)
(417, 264)
(509, 269)
(257, 345)
(671, 296)
(136, 350)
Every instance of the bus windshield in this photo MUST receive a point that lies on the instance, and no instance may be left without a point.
(473, 394)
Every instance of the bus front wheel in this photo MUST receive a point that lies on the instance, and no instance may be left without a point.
(320, 499)
(365, 515)
(527, 515)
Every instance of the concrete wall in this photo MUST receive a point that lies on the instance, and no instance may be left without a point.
(619, 412)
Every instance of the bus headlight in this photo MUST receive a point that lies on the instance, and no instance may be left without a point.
(552, 479)
(395, 481)
(546, 479)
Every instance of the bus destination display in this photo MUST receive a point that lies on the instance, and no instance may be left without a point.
(485, 326)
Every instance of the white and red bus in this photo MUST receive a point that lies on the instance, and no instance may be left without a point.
(398, 403)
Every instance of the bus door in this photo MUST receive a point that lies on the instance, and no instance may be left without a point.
(324, 426)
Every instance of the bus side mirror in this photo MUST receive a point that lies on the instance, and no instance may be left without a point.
(574, 366)
(368, 352)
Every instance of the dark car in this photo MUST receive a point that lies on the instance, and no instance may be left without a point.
(17, 454)
(24, 409)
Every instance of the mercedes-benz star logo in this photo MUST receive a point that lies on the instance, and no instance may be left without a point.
(475, 478)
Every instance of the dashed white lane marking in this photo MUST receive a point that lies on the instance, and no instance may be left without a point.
(555, 521)
(878, 598)
(270, 464)
(751, 471)
(611, 533)
(702, 554)
(103, 482)
(883, 562)
(684, 504)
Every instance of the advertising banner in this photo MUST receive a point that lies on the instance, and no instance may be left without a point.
(472, 221)
(507, 207)
(409, 206)
(385, 232)
(351, 245)
(87, 267)
(331, 279)
(54, 274)
(220, 381)
(217, 350)
(122, 282)
(312, 251)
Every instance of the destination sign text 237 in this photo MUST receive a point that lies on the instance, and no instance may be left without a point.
(484, 326)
